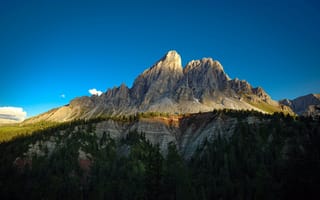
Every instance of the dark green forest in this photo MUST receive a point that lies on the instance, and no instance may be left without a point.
(276, 159)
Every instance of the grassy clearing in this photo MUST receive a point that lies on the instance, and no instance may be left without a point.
(7, 132)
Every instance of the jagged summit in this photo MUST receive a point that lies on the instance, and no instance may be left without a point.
(172, 54)
(308, 105)
(205, 64)
(202, 85)
(172, 60)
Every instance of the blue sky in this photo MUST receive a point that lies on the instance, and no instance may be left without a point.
(50, 48)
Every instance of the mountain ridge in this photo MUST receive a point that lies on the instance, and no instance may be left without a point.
(307, 105)
(168, 87)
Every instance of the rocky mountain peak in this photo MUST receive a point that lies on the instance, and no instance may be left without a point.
(158, 80)
(259, 91)
(205, 76)
(205, 64)
(172, 54)
(305, 105)
(171, 61)
(202, 85)
(209, 62)
(240, 86)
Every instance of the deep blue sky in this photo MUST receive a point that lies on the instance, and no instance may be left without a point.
(54, 47)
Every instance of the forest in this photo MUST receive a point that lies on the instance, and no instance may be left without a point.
(276, 159)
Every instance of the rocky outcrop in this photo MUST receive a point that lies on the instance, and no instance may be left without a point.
(202, 85)
(308, 105)
(240, 86)
(187, 132)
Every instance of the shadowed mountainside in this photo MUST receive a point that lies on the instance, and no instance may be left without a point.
(224, 154)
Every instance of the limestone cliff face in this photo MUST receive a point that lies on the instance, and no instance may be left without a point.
(240, 86)
(203, 80)
(157, 82)
(187, 132)
(202, 85)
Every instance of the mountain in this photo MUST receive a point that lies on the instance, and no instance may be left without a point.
(167, 87)
(156, 141)
(308, 105)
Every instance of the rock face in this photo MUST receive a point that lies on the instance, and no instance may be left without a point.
(158, 82)
(308, 105)
(202, 85)
(188, 132)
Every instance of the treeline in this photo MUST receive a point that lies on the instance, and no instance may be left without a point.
(10, 132)
(278, 158)
(131, 168)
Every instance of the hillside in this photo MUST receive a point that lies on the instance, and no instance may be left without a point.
(222, 154)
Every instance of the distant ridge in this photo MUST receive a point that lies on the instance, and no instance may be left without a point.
(308, 105)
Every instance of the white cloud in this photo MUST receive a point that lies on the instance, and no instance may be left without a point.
(12, 114)
(63, 96)
(94, 91)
